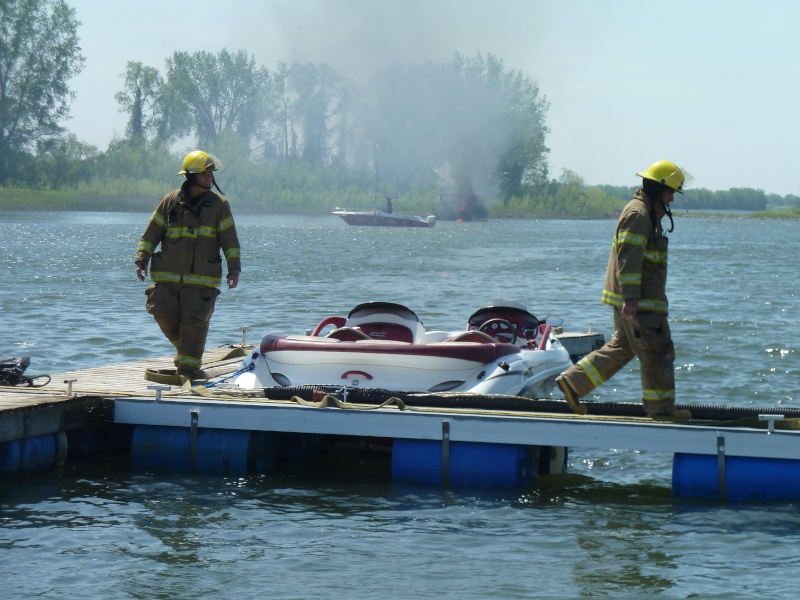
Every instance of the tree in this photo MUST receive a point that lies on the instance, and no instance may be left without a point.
(141, 99)
(39, 54)
(280, 137)
(225, 94)
(520, 131)
(315, 87)
(67, 163)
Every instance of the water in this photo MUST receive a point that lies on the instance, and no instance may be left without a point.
(70, 299)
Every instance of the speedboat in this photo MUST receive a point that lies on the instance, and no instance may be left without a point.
(381, 218)
(504, 350)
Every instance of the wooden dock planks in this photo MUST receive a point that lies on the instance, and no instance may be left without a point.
(75, 398)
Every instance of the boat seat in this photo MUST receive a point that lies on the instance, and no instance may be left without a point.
(388, 321)
(472, 336)
(348, 334)
(387, 331)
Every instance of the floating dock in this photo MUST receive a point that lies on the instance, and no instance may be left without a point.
(226, 429)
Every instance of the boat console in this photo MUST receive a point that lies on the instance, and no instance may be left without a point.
(505, 321)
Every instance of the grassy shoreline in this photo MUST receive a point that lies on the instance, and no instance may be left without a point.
(75, 200)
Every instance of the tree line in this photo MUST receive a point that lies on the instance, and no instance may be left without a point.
(701, 199)
(296, 137)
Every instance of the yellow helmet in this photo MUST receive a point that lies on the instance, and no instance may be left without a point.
(668, 174)
(200, 162)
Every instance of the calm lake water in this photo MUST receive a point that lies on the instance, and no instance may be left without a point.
(609, 528)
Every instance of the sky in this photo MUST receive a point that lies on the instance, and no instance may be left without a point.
(712, 86)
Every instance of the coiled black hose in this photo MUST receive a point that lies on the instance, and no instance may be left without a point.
(374, 396)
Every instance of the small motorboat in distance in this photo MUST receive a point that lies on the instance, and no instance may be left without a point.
(504, 350)
(383, 217)
(379, 218)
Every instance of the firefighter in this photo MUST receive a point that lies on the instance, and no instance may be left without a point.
(191, 225)
(635, 285)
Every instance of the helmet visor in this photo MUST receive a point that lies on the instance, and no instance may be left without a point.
(687, 180)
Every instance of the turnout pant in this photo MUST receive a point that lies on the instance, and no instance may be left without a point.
(183, 313)
(648, 338)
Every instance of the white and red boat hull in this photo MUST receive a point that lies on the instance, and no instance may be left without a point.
(385, 346)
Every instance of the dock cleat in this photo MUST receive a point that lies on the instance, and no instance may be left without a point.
(572, 398)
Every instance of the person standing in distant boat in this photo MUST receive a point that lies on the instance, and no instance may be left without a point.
(635, 286)
(389, 208)
(191, 224)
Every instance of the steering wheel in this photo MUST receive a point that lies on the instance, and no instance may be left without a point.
(497, 325)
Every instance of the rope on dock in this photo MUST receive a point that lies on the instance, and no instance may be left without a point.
(213, 367)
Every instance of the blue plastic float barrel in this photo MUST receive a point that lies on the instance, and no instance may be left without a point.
(228, 451)
(300, 448)
(35, 454)
(95, 444)
(746, 478)
(470, 463)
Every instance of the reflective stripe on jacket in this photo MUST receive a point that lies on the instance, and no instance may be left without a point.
(637, 267)
(191, 237)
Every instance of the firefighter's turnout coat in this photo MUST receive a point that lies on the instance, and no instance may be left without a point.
(187, 268)
(637, 269)
(190, 240)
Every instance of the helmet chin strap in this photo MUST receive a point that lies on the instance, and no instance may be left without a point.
(668, 212)
(214, 183)
(654, 190)
(196, 182)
